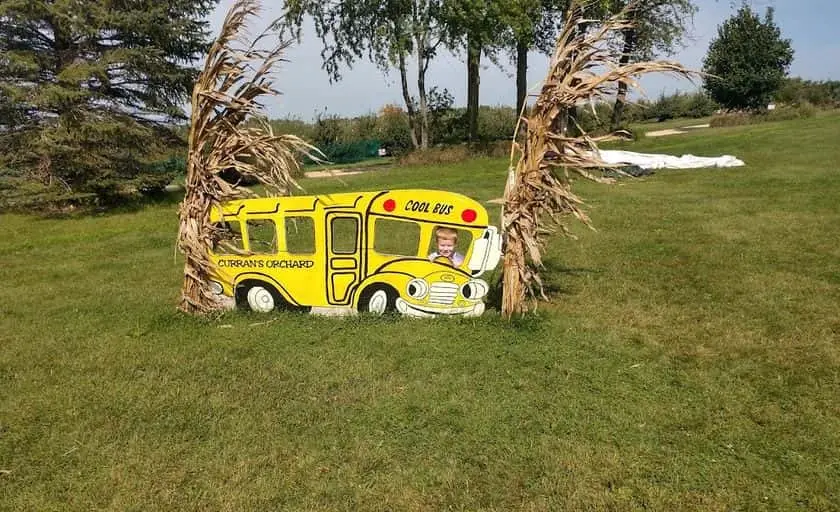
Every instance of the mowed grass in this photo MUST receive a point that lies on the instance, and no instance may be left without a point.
(688, 360)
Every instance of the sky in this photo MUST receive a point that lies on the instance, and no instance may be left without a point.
(811, 25)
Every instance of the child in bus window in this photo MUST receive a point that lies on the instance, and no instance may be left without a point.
(446, 239)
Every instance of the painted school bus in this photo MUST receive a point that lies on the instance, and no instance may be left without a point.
(366, 251)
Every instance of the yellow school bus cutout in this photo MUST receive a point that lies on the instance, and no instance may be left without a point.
(366, 251)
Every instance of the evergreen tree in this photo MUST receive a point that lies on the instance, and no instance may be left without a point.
(89, 91)
(748, 61)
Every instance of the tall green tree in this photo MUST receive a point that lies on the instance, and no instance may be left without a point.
(388, 32)
(478, 27)
(748, 61)
(89, 90)
(531, 25)
(658, 27)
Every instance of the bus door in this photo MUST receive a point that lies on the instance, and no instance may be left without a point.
(344, 266)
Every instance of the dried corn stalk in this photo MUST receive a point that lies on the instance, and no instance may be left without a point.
(583, 70)
(236, 73)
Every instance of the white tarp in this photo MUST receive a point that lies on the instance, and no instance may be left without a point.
(654, 161)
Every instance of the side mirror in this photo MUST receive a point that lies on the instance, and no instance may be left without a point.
(487, 251)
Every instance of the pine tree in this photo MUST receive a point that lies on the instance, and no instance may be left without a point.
(748, 61)
(89, 91)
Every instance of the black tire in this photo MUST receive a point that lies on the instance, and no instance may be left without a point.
(378, 299)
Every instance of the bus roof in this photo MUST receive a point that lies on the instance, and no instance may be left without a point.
(435, 206)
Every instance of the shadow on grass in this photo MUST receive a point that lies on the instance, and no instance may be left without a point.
(557, 280)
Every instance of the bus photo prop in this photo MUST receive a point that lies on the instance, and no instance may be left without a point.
(367, 252)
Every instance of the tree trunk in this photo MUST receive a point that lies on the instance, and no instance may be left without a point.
(621, 96)
(521, 74)
(422, 65)
(473, 61)
(409, 105)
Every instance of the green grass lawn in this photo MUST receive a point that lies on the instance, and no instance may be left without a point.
(688, 360)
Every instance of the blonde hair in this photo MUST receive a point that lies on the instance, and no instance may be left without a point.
(446, 233)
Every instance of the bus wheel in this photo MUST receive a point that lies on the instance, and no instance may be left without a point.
(378, 300)
(261, 299)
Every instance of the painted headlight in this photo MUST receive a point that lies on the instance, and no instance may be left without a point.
(216, 288)
(474, 289)
(417, 288)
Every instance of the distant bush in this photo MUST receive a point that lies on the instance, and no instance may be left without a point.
(358, 129)
(327, 129)
(804, 110)
(293, 126)
(496, 123)
(448, 125)
(796, 91)
(392, 129)
(595, 120)
(437, 155)
(675, 106)
(456, 153)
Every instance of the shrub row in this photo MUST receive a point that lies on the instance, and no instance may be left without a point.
(796, 91)
(804, 110)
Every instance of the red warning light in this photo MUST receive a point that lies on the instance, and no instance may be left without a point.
(468, 215)
(389, 205)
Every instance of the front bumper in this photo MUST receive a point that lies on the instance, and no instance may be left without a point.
(425, 312)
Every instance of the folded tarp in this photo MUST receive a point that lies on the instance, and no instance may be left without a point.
(654, 161)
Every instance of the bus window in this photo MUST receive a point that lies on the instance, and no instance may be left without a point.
(396, 237)
(227, 237)
(345, 231)
(262, 236)
(300, 235)
(462, 246)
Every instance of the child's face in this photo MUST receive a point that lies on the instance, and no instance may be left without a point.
(445, 247)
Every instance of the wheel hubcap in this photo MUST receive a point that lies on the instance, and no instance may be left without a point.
(378, 302)
(260, 299)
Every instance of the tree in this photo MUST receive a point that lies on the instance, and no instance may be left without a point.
(386, 31)
(532, 24)
(748, 61)
(658, 28)
(478, 27)
(89, 90)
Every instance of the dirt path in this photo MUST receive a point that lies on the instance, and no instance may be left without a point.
(675, 131)
(332, 173)
(349, 171)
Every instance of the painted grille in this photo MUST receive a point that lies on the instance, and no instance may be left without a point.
(443, 293)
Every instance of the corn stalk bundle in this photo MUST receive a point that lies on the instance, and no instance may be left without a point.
(553, 149)
(226, 93)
